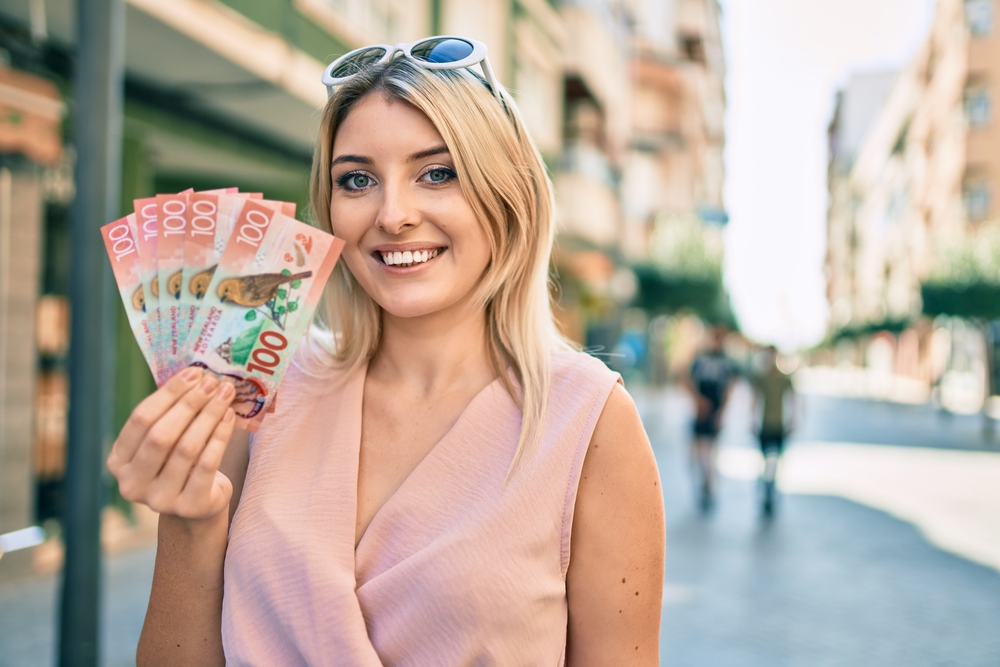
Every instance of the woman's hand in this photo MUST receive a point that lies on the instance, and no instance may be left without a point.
(168, 453)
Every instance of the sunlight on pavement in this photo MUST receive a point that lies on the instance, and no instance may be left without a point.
(952, 497)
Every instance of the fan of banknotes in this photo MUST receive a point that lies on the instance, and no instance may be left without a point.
(223, 280)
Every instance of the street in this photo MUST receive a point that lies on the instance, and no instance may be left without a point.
(828, 581)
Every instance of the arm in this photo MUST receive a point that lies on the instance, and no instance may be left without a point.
(168, 457)
(184, 619)
(615, 580)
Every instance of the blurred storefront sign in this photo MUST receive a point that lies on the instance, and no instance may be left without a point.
(31, 112)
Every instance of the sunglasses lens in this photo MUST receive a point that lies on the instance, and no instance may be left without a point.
(358, 62)
(442, 50)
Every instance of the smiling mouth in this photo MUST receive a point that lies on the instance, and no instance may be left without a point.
(408, 258)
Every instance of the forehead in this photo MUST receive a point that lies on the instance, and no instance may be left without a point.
(380, 125)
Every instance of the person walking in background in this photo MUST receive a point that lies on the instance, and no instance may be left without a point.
(709, 382)
(773, 423)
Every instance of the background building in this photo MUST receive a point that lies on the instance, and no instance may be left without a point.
(914, 166)
(623, 97)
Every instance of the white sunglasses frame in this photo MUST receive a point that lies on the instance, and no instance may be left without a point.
(477, 57)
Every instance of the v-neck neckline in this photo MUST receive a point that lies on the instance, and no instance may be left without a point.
(356, 452)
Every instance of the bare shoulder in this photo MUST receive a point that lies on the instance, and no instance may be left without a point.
(234, 465)
(614, 585)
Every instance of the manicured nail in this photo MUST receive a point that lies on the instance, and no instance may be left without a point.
(209, 384)
(190, 374)
(226, 392)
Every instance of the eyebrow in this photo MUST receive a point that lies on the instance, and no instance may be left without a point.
(437, 150)
(350, 158)
(361, 159)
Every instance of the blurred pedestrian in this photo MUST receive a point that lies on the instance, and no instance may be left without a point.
(773, 393)
(709, 382)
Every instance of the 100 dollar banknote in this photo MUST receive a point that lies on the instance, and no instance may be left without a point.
(121, 242)
(259, 303)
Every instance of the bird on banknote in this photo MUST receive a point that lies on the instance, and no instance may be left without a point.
(255, 291)
(174, 285)
(200, 281)
(139, 299)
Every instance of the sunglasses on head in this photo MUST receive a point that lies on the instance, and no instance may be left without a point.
(441, 52)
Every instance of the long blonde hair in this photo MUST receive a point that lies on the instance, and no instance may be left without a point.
(504, 179)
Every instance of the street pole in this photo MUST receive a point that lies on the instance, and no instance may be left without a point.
(97, 130)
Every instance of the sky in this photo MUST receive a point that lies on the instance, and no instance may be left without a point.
(785, 61)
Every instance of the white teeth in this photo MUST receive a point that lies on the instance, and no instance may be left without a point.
(409, 257)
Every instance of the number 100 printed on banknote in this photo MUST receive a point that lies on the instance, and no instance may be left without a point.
(261, 299)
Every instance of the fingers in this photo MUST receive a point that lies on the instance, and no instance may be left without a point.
(163, 435)
(189, 447)
(148, 412)
(204, 481)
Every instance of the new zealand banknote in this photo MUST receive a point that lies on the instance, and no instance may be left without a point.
(147, 229)
(210, 223)
(121, 242)
(259, 302)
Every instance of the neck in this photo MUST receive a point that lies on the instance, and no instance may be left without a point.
(434, 354)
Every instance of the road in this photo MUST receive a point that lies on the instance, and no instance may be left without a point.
(829, 581)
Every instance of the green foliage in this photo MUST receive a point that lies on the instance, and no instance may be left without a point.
(686, 271)
(870, 328)
(250, 316)
(965, 282)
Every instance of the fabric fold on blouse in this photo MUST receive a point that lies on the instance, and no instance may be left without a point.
(454, 569)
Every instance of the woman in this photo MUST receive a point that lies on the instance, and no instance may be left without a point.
(444, 481)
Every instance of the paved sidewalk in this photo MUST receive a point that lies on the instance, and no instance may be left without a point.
(827, 582)
(29, 613)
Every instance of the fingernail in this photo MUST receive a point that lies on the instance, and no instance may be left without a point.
(225, 392)
(190, 374)
(209, 384)
(229, 416)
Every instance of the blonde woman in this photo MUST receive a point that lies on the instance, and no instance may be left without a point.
(445, 482)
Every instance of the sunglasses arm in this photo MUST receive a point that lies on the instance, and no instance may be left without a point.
(491, 79)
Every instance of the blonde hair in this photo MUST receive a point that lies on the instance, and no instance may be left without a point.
(504, 179)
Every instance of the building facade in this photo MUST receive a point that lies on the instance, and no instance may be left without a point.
(914, 166)
(623, 97)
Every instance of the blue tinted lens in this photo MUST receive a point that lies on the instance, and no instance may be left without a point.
(442, 51)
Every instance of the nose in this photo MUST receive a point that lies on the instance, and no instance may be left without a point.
(397, 213)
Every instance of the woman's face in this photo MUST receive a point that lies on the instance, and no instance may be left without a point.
(411, 237)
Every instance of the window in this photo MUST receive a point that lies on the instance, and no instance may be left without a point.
(979, 17)
(977, 106)
(976, 200)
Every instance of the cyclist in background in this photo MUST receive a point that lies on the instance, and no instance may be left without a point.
(710, 381)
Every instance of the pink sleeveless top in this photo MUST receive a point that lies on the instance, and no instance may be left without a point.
(454, 569)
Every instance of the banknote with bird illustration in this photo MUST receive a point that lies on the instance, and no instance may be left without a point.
(222, 280)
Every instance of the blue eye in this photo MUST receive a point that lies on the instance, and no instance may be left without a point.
(439, 175)
(355, 180)
(359, 181)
